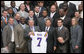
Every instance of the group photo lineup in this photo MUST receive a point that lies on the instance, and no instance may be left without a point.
(42, 27)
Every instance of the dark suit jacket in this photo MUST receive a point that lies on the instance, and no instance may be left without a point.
(16, 9)
(67, 22)
(43, 8)
(40, 15)
(76, 36)
(80, 21)
(65, 34)
(51, 40)
(71, 9)
(55, 17)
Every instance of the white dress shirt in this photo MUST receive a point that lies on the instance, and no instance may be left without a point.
(62, 17)
(23, 25)
(32, 28)
(31, 18)
(47, 28)
(12, 37)
(59, 28)
(52, 14)
(37, 14)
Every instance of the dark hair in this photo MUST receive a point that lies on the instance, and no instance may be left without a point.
(36, 6)
(11, 17)
(44, 10)
(22, 17)
(31, 10)
(59, 19)
(11, 2)
(40, 1)
(4, 10)
(48, 19)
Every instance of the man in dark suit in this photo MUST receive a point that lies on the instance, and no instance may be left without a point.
(79, 19)
(76, 37)
(41, 20)
(66, 19)
(32, 17)
(51, 44)
(53, 14)
(37, 12)
(28, 6)
(41, 5)
(28, 32)
(8, 36)
(13, 4)
(62, 37)
(71, 8)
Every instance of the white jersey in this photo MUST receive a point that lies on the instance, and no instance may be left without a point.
(39, 42)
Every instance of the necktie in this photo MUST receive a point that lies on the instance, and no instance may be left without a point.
(5, 21)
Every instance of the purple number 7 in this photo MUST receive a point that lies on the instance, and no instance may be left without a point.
(39, 41)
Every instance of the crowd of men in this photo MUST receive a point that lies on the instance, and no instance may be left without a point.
(64, 24)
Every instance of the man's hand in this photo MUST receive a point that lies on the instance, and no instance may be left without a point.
(76, 47)
(30, 33)
(54, 48)
(60, 39)
(6, 47)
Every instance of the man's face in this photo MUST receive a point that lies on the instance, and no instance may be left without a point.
(53, 8)
(61, 12)
(31, 23)
(37, 9)
(13, 4)
(22, 20)
(2, 3)
(41, 4)
(59, 23)
(80, 7)
(17, 17)
(5, 13)
(48, 23)
(11, 21)
(10, 11)
(44, 13)
(31, 13)
(27, 2)
(66, 1)
(77, 14)
(22, 7)
(73, 22)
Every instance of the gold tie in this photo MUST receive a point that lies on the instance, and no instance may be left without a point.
(5, 21)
